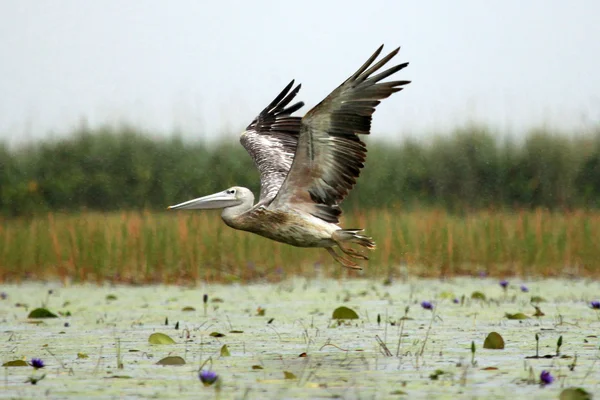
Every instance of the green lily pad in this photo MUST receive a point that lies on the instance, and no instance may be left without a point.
(160, 338)
(289, 375)
(516, 316)
(436, 374)
(171, 360)
(15, 363)
(41, 313)
(447, 295)
(217, 334)
(575, 394)
(82, 356)
(257, 367)
(344, 313)
(225, 351)
(537, 299)
(111, 297)
(478, 296)
(493, 341)
(188, 308)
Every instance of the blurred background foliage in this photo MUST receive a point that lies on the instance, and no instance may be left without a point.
(468, 169)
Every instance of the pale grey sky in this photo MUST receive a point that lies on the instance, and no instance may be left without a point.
(209, 67)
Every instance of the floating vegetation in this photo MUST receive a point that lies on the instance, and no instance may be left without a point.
(516, 316)
(40, 313)
(160, 338)
(208, 377)
(493, 341)
(478, 296)
(546, 378)
(344, 313)
(171, 360)
(573, 393)
(225, 351)
(107, 349)
(16, 363)
(289, 375)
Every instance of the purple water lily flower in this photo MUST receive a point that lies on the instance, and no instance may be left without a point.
(504, 284)
(37, 363)
(595, 304)
(546, 378)
(3, 295)
(208, 377)
(524, 289)
(427, 305)
(456, 300)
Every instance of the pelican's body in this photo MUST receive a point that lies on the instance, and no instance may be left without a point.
(285, 226)
(307, 165)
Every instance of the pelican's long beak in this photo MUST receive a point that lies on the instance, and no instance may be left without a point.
(217, 200)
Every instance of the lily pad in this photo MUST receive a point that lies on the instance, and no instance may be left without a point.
(478, 296)
(289, 375)
(15, 363)
(447, 295)
(188, 308)
(257, 367)
(225, 351)
(344, 313)
(111, 297)
(171, 360)
(41, 313)
(160, 338)
(575, 394)
(537, 299)
(436, 374)
(516, 316)
(217, 334)
(82, 356)
(493, 341)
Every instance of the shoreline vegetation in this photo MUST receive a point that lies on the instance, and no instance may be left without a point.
(467, 203)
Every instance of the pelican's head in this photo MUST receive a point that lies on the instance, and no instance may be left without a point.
(234, 196)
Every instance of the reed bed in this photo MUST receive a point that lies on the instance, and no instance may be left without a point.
(180, 247)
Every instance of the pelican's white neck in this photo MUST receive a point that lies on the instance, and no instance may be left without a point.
(230, 213)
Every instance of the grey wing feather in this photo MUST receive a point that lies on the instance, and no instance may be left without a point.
(330, 154)
(271, 141)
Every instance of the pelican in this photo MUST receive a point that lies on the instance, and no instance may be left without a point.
(308, 165)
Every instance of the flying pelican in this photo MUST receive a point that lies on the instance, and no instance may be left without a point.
(308, 165)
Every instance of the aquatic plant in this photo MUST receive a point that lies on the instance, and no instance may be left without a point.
(546, 378)
(37, 363)
(427, 305)
(504, 284)
(524, 289)
(208, 377)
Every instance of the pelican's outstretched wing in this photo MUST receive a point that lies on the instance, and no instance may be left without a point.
(271, 141)
(330, 154)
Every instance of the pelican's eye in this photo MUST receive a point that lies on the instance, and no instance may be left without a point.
(231, 191)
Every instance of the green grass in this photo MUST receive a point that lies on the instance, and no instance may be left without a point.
(175, 247)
